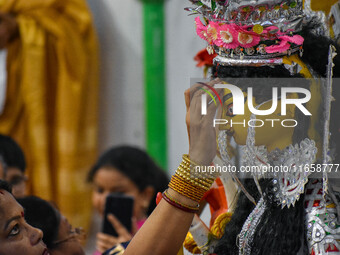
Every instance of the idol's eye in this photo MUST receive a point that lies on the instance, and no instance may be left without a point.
(14, 231)
(229, 111)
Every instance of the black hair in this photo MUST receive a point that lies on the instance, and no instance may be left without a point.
(315, 54)
(12, 153)
(137, 166)
(41, 214)
(280, 231)
(5, 186)
(227, 244)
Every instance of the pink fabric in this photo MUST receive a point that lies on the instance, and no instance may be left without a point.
(140, 223)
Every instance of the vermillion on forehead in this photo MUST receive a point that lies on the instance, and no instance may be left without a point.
(7, 201)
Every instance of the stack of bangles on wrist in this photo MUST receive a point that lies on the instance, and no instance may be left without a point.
(179, 205)
(189, 183)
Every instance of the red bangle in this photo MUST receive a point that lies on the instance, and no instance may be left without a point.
(179, 205)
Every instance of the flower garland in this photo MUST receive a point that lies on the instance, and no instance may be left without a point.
(232, 36)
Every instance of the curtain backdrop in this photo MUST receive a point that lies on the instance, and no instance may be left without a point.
(51, 101)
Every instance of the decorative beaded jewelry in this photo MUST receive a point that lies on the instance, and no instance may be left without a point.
(189, 182)
(179, 205)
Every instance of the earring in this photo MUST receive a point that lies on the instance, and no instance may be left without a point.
(145, 204)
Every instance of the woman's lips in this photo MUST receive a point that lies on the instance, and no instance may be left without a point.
(45, 252)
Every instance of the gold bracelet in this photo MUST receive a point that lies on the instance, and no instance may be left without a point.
(188, 190)
(185, 169)
(190, 185)
(193, 181)
(199, 178)
(185, 189)
(166, 193)
(196, 180)
(192, 165)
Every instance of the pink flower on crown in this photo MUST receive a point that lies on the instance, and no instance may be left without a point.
(227, 37)
(296, 39)
(248, 39)
(201, 31)
(284, 44)
(212, 31)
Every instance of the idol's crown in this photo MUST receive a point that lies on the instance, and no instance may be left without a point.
(256, 32)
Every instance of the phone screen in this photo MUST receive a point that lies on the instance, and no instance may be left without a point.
(121, 206)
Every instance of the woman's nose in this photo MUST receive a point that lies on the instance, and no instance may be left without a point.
(101, 200)
(36, 235)
(104, 196)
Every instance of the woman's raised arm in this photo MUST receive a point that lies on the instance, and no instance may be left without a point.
(164, 231)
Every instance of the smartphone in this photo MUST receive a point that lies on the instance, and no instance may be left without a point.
(121, 206)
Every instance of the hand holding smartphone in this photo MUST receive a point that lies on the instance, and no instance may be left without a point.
(121, 206)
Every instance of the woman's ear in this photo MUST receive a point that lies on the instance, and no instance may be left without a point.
(148, 194)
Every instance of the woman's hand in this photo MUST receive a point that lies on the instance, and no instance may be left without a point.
(105, 241)
(201, 132)
(8, 29)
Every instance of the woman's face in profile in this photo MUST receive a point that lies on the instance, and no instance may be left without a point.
(16, 236)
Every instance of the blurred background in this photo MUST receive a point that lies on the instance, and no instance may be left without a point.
(120, 30)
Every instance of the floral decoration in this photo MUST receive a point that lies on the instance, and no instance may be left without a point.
(203, 58)
(232, 36)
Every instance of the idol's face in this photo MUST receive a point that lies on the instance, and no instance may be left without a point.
(16, 236)
(269, 130)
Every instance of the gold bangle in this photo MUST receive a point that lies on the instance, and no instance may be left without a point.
(186, 159)
(198, 177)
(188, 167)
(190, 191)
(166, 193)
(188, 184)
(183, 184)
(194, 181)
(195, 177)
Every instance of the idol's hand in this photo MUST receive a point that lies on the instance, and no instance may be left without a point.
(201, 131)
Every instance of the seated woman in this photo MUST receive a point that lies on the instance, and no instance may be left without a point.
(59, 236)
(17, 237)
(129, 171)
